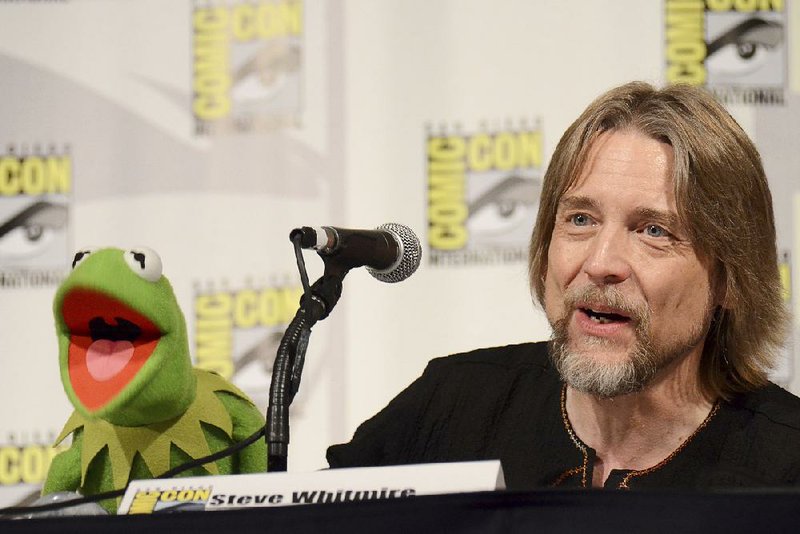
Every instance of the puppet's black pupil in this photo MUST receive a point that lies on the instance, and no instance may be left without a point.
(138, 256)
(78, 257)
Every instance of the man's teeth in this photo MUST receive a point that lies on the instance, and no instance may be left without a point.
(603, 318)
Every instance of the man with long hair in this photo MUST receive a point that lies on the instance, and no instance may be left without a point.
(654, 259)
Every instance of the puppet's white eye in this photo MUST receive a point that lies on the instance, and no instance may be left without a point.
(81, 255)
(144, 262)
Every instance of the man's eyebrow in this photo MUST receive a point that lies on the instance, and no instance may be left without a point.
(664, 217)
(577, 203)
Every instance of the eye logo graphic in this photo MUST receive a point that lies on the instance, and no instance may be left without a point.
(483, 193)
(745, 49)
(247, 63)
(34, 218)
(28, 232)
(736, 48)
(237, 332)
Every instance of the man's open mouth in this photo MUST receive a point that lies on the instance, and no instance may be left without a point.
(604, 317)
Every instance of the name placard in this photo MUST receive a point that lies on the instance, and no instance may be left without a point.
(286, 489)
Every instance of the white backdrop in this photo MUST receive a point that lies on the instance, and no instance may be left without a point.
(207, 130)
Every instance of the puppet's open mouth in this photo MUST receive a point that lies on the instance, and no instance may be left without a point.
(123, 330)
(108, 343)
(112, 347)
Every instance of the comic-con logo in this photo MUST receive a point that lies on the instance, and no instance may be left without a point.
(26, 463)
(35, 188)
(735, 48)
(237, 332)
(483, 194)
(784, 371)
(247, 59)
(171, 500)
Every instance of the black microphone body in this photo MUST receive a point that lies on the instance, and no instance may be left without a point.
(357, 248)
(390, 252)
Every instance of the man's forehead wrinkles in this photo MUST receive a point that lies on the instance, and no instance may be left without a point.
(583, 201)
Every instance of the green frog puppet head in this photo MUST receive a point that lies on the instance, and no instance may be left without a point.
(123, 349)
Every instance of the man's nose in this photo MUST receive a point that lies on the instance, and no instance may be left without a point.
(608, 257)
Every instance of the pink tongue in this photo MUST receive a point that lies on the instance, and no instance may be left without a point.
(106, 358)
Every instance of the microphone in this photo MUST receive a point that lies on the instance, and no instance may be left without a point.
(391, 252)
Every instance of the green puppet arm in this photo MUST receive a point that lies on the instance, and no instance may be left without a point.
(246, 421)
(64, 473)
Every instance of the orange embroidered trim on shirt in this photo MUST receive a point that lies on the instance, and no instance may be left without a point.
(581, 446)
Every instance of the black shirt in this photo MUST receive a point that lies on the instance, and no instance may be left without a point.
(505, 403)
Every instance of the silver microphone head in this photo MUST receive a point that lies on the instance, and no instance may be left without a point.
(408, 259)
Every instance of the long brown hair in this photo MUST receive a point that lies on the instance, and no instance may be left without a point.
(723, 200)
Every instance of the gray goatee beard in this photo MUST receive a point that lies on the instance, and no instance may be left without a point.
(612, 379)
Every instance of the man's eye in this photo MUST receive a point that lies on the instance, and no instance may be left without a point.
(654, 230)
(580, 219)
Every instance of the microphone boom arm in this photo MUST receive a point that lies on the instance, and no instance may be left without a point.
(315, 305)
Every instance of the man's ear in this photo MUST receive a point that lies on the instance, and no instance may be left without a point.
(721, 287)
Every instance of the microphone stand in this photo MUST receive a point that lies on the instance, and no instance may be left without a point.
(315, 305)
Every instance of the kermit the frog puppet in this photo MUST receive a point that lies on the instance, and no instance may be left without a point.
(140, 407)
